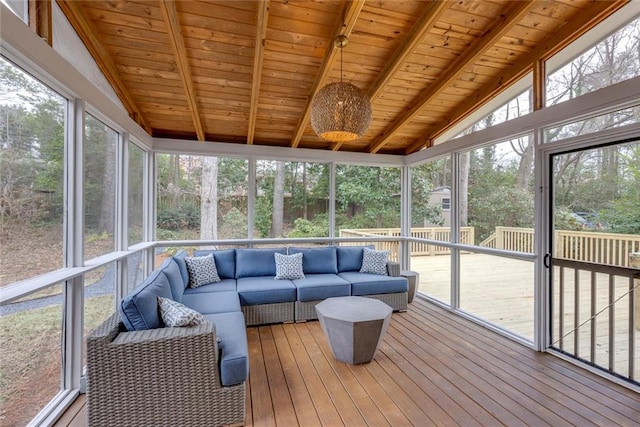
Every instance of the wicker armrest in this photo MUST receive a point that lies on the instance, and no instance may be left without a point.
(393, 269)
(152, 377)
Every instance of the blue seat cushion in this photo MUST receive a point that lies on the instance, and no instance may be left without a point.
(234, 351)
(265, 290)
(256, 262)
(222, 286)
(225, 261)
(212, 302)
(318, 260)
(320, 286)
(350, 257)
(139, 309)
(371, 284)
(171, 269)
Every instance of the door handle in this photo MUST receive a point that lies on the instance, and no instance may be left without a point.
(547, 258)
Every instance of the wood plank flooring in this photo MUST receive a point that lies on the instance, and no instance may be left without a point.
(434, 368)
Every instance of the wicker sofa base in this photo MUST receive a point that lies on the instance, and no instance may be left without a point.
(306, 310)
(263, 314)
(129, 384)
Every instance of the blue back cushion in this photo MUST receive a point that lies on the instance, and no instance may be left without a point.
(256, 262)
(171, 269)
(225, 262)
(350, 257)
(179, 259)
(139, 309)
(318, 260)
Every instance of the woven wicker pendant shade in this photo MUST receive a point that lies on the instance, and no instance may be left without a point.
(340, 112)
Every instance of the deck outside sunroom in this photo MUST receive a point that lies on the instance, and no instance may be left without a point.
(116, 202)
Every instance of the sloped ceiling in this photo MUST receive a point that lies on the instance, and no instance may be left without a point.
(245, 72)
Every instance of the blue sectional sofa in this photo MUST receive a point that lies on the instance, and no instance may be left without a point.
(247, 294)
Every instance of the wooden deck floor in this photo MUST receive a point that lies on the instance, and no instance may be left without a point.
(434, 368)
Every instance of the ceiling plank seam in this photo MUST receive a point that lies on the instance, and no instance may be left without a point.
(261, 38)
(496, 31)
(170, 15)
(345, 27)
(86, 31)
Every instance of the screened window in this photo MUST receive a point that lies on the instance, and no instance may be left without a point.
(367, 200)
(614, 59)
(100, 154)
(201, 197)
(31, 175)
(292, 199)
(135, 194)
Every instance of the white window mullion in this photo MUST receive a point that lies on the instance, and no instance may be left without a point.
(332, 199)
(73, 306)
(122, 209)
(251, 201)
(149, 179)
(455, 230)
(405, 217)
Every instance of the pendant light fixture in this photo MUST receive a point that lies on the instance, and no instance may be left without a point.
(340, 112)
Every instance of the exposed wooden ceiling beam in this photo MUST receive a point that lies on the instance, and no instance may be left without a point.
(40, 19)
(561, 39)
(425, 22)
(170, 15)
(86, 31)
(345, 26)
(498, 30)
(258, 59)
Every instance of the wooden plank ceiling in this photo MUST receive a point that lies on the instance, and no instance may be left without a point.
(246, 71)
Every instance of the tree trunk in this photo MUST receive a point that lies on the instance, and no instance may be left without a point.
(277, 224)
(209, 199)
(108, 205)
(524, 175)
(463, 188)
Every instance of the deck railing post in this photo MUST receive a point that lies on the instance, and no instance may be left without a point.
(634, 262)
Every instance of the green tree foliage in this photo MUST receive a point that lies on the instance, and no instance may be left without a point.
(367, 197)
(31, 151)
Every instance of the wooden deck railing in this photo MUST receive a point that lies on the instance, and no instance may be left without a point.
(597, 248)
(417, 249)
(584, 246)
